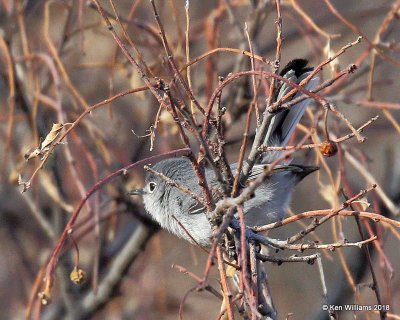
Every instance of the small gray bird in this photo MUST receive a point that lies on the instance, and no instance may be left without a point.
(167, 204)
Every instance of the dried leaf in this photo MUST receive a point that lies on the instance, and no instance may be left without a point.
(55, 131)
(45, 144)
(230, 271)
(32, 154)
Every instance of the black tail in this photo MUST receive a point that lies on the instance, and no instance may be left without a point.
(284, 123)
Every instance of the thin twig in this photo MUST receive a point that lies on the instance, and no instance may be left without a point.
(198, 279)
(322, 213)
(375, 285)
(294, 258)
(324, 288)
(224, 284)
(277, 62)
(311, 227)
(46, 293)
(317, 145)
(171, 60)
(370, 179)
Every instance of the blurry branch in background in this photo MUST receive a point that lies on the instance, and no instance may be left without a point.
(76, 157)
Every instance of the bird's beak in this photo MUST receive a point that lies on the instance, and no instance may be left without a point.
(310, 169)
(306, 170)
(137, 192)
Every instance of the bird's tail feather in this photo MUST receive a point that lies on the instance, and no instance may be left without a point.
(284, 123)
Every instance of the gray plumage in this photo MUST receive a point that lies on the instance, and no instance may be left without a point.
(167, 204)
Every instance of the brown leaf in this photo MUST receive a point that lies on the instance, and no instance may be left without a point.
(32, 154)
(45, 144)
(55, 131)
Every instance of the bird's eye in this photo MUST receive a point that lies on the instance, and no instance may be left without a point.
(152, 186)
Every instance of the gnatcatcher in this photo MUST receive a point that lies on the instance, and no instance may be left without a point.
(167, 204)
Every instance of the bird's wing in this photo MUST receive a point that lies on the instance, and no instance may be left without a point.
(299, 171)
(196, 208)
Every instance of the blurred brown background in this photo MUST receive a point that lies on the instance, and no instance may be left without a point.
(95, 69)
